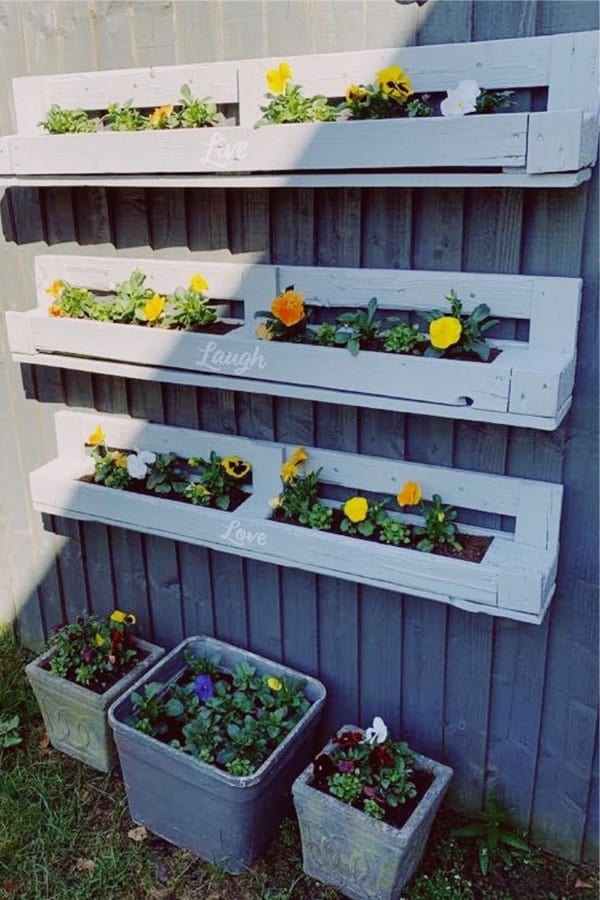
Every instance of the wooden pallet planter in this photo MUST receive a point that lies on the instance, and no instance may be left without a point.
(530, 383)
(515, 578)
(563, 138)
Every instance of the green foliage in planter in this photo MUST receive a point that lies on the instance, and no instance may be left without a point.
(402, 338)
(233, 720)
(358, 329)
(124, 117)
(438, 528)
(196, 113)
(189, 308)
(367, 770)
(457, 333)
(93, 651)
(208, 482)
(68, 121)
(287, 104)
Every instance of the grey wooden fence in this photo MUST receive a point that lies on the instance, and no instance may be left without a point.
(504, 703)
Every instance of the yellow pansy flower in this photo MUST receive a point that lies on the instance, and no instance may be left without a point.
(159, 114)
(356, 92)
(278, 78)
(288, 471)
(96, 437)
(444, 332)
(299, 456)
(56, 288)
(235, 466)
(120, 617)
(121, 461)
(274, 683)
(410, 494)
(394, 81)
(99, 640)
(154, 307)
(441, 516)
(356, 509)
(198, 284)
(263, 332)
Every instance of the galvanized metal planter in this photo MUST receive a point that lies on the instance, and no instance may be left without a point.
(361, 856)
(225, 819)
(76, 717)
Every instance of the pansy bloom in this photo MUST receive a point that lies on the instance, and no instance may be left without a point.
(203, 687)
(410, 494)
(96, 437)
(462, 100)
(288, 307)
(395, 82)
(138, 462)
(274, 683)
(235, 466)
(56, 311)
(278, 78)
(356, 509)
(153, 309)
(160, 115)
(56, 288)
(122, 618)
(198, 284)
(444, 332)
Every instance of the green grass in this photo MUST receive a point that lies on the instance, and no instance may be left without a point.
(64, 836)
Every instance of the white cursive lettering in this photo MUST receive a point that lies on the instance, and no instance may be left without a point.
(219, 153)
(236, 534)
(216, 360)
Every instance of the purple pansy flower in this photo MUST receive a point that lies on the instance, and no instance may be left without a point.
(87, 654)
(203, 685)
(346, 766)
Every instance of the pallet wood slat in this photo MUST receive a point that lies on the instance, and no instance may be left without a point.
(515, 579)
(529, 382)
(563, 138)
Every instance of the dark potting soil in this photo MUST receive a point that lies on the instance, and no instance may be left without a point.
(399, 815)
(105, 680)
(377, 346)
(474, 546)
(237, 496)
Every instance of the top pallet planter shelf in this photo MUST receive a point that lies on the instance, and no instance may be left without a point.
(501, 148)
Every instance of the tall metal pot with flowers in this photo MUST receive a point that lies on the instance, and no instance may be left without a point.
(365, 808)
(88, 663)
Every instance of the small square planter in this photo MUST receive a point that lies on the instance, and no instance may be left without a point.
(225, 819)
(76, 717)
(364, 858)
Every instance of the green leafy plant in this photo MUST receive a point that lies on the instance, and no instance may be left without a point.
(324, 334)
(393, 531)
(320, 516)
(68, 121)
(368, 770)
(73, 302)
(391, 97)
(231, 719)
(195, 113)
(286, 102)
(459, 333)
(131, 296)
(124, 117)
(166, 475)
(403, 338)
(189, 308)
(493, 834)
(438, 527)
(94, 652)
(490, 101)
(359, 329)
(9, 732)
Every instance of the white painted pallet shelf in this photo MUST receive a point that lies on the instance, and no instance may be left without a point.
(515, 579)
(529, 383)
(561, 139)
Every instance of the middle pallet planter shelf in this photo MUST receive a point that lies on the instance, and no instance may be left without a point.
(515, 578)
(528, 383)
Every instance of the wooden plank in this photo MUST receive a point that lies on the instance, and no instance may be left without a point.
(338, 651)
(164, 592)
(196, 589)
(466, 713)
(129, 574)
(380, 650)
(96, 550)
(230, 603)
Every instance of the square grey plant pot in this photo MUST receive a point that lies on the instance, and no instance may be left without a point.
(75, 717)
(364, 858)
(224, 819)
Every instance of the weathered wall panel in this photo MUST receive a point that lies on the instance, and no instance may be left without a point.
(506, 704)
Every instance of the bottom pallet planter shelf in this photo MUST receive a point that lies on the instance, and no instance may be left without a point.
(515, 578)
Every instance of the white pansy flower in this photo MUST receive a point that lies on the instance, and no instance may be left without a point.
(378, 732)
(462, 99)
(138, 462)
(275, 502)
